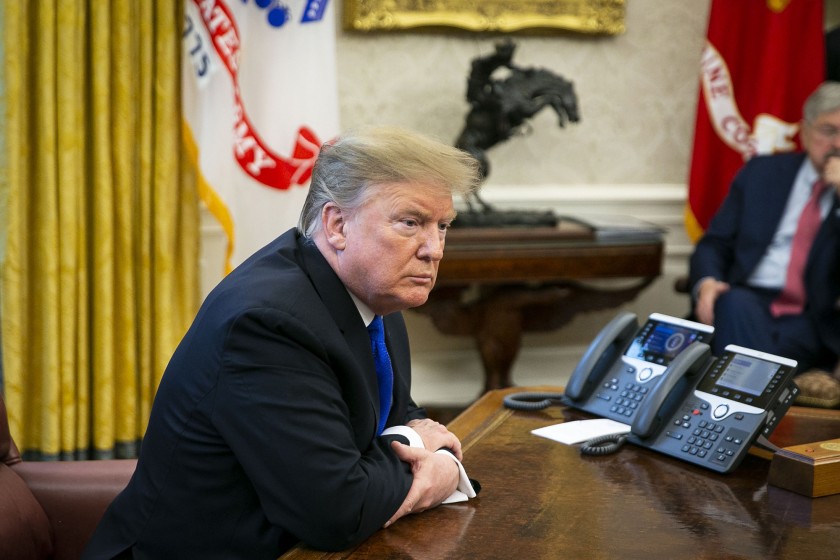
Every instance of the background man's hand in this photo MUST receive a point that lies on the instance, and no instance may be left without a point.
(435, 436)
(435, 478)
(710, 289)
(831, 172)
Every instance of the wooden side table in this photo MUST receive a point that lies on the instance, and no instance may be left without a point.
(495, 284)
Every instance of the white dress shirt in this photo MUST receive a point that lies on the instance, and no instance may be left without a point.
(771, 270)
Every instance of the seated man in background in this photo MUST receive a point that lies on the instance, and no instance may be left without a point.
(766, 273)
(270, 424)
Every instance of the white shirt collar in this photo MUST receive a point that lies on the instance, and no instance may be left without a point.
(809, 172)
(365, 311)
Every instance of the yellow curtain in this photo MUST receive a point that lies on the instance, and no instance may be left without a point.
(100, 279)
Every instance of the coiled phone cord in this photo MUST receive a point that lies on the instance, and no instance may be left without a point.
(532, 401)
(603, 445)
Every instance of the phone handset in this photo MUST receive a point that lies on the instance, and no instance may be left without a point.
(600, 356)
(686, 364)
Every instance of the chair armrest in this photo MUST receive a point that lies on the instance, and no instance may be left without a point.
(75, 494)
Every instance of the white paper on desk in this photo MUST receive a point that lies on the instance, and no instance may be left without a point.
(581, 430)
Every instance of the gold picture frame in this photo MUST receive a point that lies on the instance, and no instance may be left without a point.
(586, 16)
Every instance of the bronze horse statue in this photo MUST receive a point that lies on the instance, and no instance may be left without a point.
(500, 107)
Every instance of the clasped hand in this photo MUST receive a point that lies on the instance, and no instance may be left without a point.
(435, 436)
(708, 293)
(436, 475)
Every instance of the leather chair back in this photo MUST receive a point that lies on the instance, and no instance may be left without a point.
(25, 530)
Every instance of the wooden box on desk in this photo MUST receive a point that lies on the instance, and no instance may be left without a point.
(811, 469)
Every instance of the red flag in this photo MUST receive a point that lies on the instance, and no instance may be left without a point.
(761, 61)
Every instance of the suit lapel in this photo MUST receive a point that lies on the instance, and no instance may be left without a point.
(339, 304)
(822, 243)
(773, 195)
(769, 191)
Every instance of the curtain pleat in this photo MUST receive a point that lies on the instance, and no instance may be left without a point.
(100, 279)
(4, 184)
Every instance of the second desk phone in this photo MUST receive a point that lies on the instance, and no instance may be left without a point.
(739, 398)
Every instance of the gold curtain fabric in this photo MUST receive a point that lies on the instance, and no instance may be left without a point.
(101, 275)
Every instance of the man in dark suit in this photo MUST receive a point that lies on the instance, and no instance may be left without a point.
(744, 272)
(267, 427)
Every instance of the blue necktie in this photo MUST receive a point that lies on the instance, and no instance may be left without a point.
(384, 372)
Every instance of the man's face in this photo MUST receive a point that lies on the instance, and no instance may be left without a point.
(821, 138)
(392, 245)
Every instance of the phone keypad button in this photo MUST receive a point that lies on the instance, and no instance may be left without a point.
(626, 401)
(694, 450)
(612, 384)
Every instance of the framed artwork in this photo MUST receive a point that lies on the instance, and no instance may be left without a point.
(584, 16)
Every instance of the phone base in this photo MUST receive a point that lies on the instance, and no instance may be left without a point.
(811, 469)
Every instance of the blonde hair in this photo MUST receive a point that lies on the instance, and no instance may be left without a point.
(350, 168)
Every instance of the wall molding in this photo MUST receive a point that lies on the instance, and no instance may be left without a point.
(587, 194)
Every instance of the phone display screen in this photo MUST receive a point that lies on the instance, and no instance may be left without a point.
(747, 374)
(660, 342)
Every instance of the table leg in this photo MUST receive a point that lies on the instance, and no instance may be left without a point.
(498, 338)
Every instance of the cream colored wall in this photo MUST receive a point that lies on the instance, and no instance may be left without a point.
(637, 94)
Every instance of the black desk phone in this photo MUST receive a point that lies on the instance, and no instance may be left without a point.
(624, 363)
(740, 397)
(662, 380)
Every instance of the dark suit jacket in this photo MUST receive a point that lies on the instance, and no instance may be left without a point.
(743, 227)
(263, 428)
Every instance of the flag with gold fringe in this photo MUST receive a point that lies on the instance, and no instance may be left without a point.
(259, 98)
(761, 60)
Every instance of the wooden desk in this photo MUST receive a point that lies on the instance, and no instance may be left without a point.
(542, 499)
(495, 284)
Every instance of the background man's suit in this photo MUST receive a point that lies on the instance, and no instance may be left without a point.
(278, 360)
(743, 228)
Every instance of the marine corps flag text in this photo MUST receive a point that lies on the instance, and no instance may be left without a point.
(762, 58)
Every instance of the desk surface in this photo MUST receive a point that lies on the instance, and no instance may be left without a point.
(542, 499)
